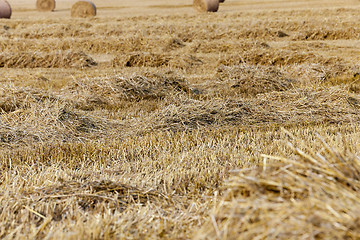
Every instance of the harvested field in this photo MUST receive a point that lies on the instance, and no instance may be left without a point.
(152, 120)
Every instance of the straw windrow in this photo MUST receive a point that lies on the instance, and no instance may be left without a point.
(65, 59)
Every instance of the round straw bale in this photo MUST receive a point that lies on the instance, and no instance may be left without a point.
(206, 5)
(83, 9)
(5, 9)
(45, 5)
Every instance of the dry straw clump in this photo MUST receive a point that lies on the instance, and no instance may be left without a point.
(29, 116)
(5, 9)
(49, 121)
(111, 92)
(252, 80)
(206, 5)
(14, 98)
(45, 5)
(193, 114)
(307, 196)
(83, 9)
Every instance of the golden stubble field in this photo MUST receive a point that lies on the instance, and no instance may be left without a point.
(153, 121)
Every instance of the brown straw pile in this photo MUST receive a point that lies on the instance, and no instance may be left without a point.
(45, 5)
(5, 9)
(83, 9)
(206, 5)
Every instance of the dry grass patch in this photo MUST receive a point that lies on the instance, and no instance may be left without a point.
(13, 98)
(64, 208)
(252, 80)
(188, 114)
(33, 119)
(309, 195)
(323, 74)
(111, 92)
(74, 182)
(349, 81)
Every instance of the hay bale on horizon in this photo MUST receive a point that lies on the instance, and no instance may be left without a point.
(45, 5)
(206, 5)
(5, 9)
(83, 9)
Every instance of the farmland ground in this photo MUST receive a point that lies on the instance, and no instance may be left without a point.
(154, 121)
